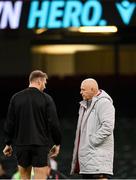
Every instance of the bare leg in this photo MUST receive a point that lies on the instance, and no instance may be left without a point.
(41, 172)
(25, 173)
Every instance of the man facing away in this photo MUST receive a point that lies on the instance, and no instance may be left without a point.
(31, 118)
(94, 143)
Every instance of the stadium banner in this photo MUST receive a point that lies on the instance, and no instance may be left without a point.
(55, 14)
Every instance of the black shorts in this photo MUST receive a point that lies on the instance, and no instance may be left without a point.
(33, 155)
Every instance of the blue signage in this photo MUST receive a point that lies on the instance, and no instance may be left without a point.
(54, 14)
(126, 11)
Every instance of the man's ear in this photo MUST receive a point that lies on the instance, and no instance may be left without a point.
(92, 89)
(38, 81)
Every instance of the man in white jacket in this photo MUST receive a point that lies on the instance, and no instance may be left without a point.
(94, 143)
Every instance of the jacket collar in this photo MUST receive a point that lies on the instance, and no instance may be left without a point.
(84, 102)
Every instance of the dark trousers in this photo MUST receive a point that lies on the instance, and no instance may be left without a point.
(96, 176)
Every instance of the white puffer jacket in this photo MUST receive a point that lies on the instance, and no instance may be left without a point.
(96, 147)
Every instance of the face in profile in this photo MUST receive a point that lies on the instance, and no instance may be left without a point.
(87, 91)
(42, 83)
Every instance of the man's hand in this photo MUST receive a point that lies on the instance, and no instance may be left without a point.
(54, 151)
(7, 151)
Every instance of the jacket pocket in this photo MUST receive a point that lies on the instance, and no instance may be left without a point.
(86, 153)
(91, 144)
(85, 157)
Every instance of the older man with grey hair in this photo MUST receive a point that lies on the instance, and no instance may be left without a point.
(94, 143)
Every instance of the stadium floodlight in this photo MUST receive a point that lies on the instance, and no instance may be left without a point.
(95, 29)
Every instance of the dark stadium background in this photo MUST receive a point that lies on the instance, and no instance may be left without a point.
(17, 61)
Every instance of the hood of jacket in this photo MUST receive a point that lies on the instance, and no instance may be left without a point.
(102, 94)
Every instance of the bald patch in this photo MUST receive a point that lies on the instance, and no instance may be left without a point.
(92, 83)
